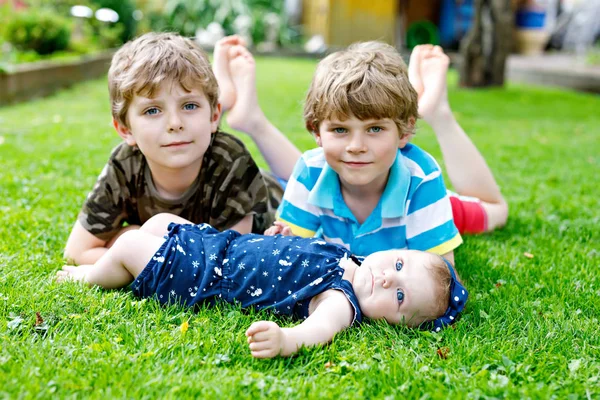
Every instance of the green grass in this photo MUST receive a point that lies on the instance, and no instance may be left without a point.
(530, 329)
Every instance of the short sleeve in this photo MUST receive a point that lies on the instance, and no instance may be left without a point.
(429, 223)
(103, 211)
(295, 210)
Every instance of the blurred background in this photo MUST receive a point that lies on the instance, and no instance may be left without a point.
(488, 39)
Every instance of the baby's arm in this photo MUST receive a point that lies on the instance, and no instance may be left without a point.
(332, 314)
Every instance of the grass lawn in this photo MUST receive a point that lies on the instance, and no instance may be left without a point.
(530, 329)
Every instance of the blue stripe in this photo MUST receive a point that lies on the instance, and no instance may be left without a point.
(385, 239)
(308, 177)
(297, 216)
(434, 237)
(426, 194)
(420, 157)
(334, 228)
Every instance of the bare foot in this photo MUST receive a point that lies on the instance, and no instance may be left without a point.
(221, 69)
(414, 73)
(246, 112)
(433, 67)
(72, 273)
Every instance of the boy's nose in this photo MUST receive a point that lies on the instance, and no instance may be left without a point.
(175, 124)
(356, 145)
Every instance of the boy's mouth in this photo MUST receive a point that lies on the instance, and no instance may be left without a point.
(356, 164)
(176, 144)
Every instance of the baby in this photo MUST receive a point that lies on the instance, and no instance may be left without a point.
(306, 278)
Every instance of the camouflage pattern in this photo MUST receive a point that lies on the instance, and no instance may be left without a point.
(275, 193)
(229, 187)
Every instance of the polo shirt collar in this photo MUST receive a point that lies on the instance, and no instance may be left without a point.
(393, 201)
(326, 188)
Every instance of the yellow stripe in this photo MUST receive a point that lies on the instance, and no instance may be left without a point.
(298, 230)
(447, 246)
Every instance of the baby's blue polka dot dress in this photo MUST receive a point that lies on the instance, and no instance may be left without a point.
(198, 264)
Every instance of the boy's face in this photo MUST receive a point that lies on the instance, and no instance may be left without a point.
(396, 285)
(173, 129)
(360, 151)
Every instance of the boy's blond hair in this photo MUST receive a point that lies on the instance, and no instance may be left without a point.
(367, 80)
(142, 65)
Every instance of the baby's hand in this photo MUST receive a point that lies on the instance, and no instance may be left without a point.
(279, 228)
(265, 339)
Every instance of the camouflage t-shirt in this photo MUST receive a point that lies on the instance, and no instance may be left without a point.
(228, 187)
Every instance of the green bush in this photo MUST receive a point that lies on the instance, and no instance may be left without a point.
(186, 16)
(41, 31)
(125, 8)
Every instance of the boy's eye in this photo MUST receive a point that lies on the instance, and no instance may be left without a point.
(190, 106)
(398, 265)
(339, 130)
(376, 129)
(151, 111)
(400, 295)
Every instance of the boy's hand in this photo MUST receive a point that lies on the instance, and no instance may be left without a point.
(279, 228)
(265, 339)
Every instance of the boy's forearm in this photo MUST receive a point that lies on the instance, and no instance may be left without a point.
(83, 247)
(89, 256)
(442, 121)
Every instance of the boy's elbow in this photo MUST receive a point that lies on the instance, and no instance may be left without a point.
(72, 256)
(68, 256)
(79, 256)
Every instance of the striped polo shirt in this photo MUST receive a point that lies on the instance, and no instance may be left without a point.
(414, 211)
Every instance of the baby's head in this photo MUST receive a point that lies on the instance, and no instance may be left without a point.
(409, 287)
(144, 65)
(368, 81)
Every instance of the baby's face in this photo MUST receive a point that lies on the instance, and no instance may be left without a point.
(397, 286)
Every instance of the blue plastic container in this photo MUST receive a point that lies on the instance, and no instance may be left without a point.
(456, 19)
(530, 19)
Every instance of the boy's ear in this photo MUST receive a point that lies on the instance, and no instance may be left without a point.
(215, 118)
(124, 132)
(315, 132)
(406, 137)
(317, 136)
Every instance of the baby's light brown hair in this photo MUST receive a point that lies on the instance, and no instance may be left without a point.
(368, 81)
(140, 66)
(442, 279)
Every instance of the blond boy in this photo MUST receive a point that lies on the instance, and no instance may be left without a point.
(366, 187)
(165, 106)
